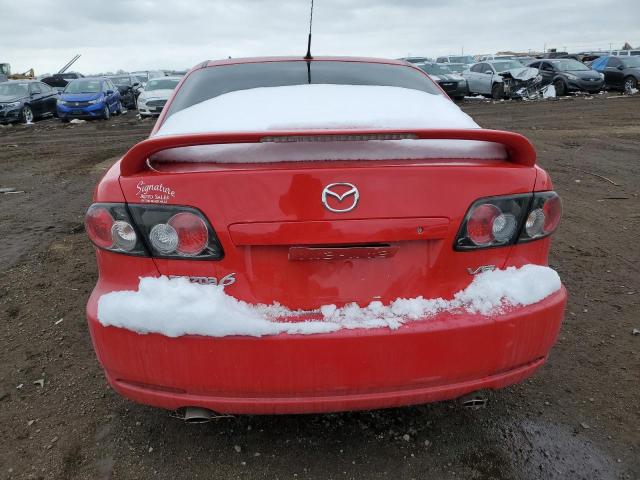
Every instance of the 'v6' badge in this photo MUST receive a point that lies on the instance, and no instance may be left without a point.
(343, 196)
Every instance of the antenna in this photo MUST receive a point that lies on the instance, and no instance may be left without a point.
(308, 55)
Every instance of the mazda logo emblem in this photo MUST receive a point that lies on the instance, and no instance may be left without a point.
(349, 196)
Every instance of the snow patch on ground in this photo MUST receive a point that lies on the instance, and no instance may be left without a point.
(176, 307)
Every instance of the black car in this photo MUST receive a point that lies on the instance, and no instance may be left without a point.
(622, 73)
(450, 82)
(567, 74)
(129, 87)
(25, 100)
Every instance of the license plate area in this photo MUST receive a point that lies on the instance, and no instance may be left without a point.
(342, 252)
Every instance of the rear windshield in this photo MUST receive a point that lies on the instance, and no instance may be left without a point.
(212, 82)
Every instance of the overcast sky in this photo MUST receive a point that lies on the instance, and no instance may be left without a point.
(177, 34)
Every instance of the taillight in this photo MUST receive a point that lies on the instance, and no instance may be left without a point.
(162, 231)
(109, 226)
(192, 232)
(500, 221)
(544, 216)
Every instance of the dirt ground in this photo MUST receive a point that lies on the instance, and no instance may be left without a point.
(577, 418)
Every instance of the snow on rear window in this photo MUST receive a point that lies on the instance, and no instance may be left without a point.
(318, 107)
(176, 307)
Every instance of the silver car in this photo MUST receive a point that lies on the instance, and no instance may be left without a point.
(155, 95)
(498, 78)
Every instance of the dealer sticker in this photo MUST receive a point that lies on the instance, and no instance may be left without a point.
(154, 193)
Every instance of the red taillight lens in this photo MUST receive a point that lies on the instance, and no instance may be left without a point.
(98, 223)
(552, 212)
(480, 224)
(109, 226)
(193, 234)
(544, 216)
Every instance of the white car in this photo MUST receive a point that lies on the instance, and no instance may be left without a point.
(155, 94)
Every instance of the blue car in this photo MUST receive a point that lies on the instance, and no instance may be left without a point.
(89, 98)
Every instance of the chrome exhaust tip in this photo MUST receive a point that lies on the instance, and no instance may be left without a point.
(195, 415)
(476, 400)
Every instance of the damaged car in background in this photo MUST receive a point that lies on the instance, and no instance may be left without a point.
(129, 87)
(504, 79)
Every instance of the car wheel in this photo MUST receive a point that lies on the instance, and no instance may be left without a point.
(560, 88)
(26, 115)
(630, 83)
(106, 113)
(497, 91)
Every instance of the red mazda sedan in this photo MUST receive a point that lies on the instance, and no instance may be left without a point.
(321, 235)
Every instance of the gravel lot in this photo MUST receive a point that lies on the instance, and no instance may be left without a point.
(579, 417)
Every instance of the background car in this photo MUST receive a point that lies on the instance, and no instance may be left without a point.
(488, 78)
(567, 74)
(450, 82)
(155, 94)
(25, 100)
(620, 73)
(145, 75)
(89, 98)
(463, 59)
(485, 58)
(129, 87)
(416, 59)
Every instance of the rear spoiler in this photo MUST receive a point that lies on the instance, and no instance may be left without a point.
(519, 149)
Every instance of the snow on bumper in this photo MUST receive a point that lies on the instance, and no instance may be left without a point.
(175, 307)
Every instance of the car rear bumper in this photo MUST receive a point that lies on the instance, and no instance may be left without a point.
(435, 359)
